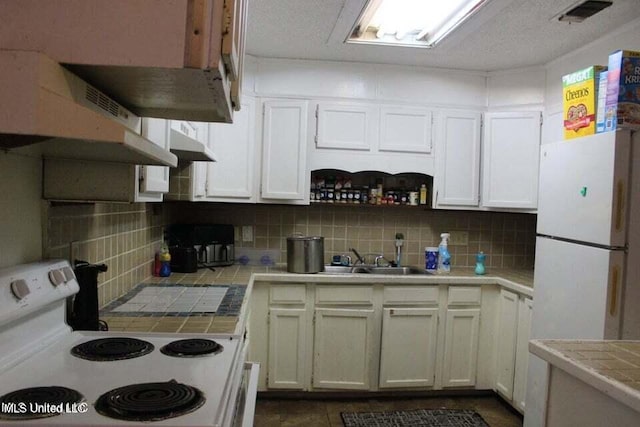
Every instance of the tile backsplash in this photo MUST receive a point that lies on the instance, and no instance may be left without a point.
(507, 239)
(123, 236)
(126, 236)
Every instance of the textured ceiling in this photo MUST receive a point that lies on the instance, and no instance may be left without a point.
(504, 34)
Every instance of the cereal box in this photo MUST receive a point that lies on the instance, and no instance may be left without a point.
(623, 91)
(579, 101)
(602, 101)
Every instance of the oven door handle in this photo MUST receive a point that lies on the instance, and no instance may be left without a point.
(252, 391)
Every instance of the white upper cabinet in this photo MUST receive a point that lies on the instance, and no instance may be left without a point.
(405, 130)
(457, 175)
(346, 126)
(232, 178)
(154, 180)
(360, 136)
(511, 150)
(284, 153)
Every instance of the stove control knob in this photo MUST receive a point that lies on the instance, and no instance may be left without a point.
(20, 289)
(56, 277)
(68, 274)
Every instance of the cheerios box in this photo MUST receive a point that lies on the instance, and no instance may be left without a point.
(580, 95)
(622, 107)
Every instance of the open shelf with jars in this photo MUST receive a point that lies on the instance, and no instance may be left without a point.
(371, 189)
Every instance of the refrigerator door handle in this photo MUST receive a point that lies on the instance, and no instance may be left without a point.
(613, 303)
(619, 219)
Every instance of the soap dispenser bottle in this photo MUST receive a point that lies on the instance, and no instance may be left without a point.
(444, 258)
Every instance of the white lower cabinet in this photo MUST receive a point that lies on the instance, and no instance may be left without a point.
(343, 348)
(506, 348)
(287, 346)
(512, 347)
(408, 347)
(525, 307)
(346, 336)
(462, 328)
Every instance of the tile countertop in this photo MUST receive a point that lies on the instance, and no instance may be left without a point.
(517, 280)
(611, 367)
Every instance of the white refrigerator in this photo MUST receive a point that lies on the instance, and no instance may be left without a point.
(587, 265)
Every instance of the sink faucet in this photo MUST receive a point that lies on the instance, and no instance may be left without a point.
(399, 243)
(358, 256)
(380, 258)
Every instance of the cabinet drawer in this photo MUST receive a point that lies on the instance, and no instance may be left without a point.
(413, 295)
(464, 295)
(344, 295)
(288, 294)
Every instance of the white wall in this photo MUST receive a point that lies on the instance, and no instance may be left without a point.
(20, 208)
(366, 82)
(519, 89)
(594, 53)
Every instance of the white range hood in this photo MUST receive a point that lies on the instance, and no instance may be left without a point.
(189, 149)
(162, 59)
(44, 103)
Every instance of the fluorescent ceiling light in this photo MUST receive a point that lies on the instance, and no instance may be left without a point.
(414, 23)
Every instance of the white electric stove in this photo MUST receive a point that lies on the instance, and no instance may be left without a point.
(156, 379)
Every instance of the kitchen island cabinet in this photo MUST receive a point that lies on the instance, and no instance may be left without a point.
(591, 383)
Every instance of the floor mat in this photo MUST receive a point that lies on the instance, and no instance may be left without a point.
(177, 300)
(414, 418)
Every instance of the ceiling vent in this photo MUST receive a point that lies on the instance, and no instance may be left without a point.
(584, 10)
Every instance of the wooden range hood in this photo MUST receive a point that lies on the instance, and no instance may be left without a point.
(167, 59)
(43, 103)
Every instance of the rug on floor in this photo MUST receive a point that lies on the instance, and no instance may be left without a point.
(414, 418)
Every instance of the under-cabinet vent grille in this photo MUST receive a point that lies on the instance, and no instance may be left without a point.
(105, 103)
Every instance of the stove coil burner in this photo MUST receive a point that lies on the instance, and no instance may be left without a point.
(37, 402)
(191, 348)
(150, 401)
(106, 349)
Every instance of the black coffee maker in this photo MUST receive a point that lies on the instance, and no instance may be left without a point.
(83, 311)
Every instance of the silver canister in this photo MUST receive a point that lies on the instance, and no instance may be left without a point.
(305, 254)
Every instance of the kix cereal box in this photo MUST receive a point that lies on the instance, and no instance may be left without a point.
(622, 107)
(580, 90)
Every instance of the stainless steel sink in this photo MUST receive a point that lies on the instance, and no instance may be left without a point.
(370, 269)
(337, 269)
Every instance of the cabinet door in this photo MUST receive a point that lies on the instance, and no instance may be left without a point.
(461, 347)
(200, 180)
(286, 348)
(506, 349)
(408, 347)
(510, 158)
(284, 154)
(404, 129)
(522, 352)
(343, 347)
(153, 180)
(457, 176)
(345, 126)
(232, 177)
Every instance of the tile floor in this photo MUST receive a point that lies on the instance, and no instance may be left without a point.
(272, 412)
